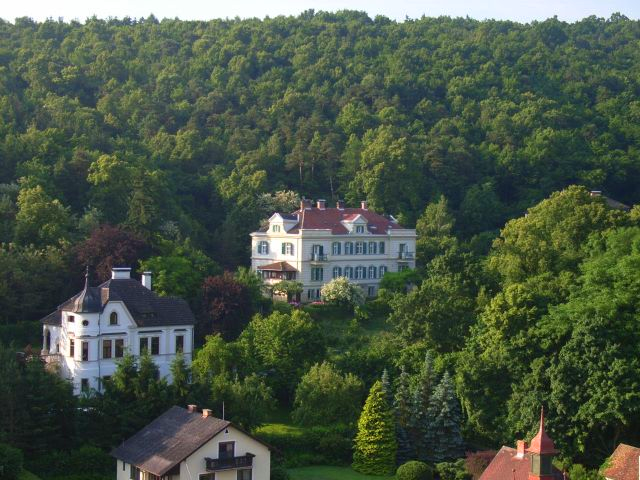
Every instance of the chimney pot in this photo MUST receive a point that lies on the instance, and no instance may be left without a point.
(206, 413)
(192, 408)
(146, 280)
(363, 204)
(340, 204)
(120, 273)
(321, 204)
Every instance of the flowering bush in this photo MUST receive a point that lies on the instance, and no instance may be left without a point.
(341, 291)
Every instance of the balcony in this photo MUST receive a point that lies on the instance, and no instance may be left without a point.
(215, 464)
(318, 257)
(405, 256)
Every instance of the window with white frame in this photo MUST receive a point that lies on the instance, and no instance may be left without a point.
(360, 273)
(113, 318)
(337, 272)
(373, 248)
(382, 271)
(275, 228)
(317, 274)
(348, 248)
(335, 248)
(359, 248)
(287, 248)
(348, 272)
(373, 271)
(359, 228)
(263, 247)
(381, 248)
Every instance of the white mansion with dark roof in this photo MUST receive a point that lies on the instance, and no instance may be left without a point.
(316, 243)
(91, 331)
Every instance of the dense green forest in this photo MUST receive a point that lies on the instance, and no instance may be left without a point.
(162, 144)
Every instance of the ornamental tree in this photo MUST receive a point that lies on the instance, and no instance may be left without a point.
(375, 443)
(341, 291)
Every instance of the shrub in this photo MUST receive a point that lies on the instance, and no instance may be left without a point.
(279, 473)
(10, 461)
(414, 470)
(477, 462)
(452, 470)
(340, 291)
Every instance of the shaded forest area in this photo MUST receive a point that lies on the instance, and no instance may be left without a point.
(179, 132)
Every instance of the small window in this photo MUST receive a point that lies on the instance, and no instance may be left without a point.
(106, 349)
(335, 248)
(119, 343)
(275, 228)
(381, 248)
(359, 228)
(244, 474)
(337, 272)
(155, 345)
(179, 343)
(144, 344)
(113, 318)
(84, 385)
(263, 248)
(72, 348)
(85, 351)
(71, 319)
(85, 323)
(226, 450)
(373, 248)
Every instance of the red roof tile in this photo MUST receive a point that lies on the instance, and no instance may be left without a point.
(331, 218)
(506, 465)
(277, 267)
(541, 443)
(624, 463)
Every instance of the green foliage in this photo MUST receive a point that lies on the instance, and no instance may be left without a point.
(414, 470)
(214, 358)
(41, 220)
(10, 462)
(375, 443)
(399, 282)
(443, 438)
(324, 396)
(435, 231)
(452, 470)
(289, 288)
(340, 291)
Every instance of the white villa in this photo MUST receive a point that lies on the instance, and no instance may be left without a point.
(189, 444)
(90, 332)
(315, 244)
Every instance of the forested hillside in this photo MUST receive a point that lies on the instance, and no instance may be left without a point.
(181, 132)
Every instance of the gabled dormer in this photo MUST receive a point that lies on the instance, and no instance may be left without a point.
(356, 224)
(282, 223)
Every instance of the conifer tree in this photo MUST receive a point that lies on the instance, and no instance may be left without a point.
(443, 437)
(418, 421)
(402, 410)
(386, 387)
(375, 443)
(181, 374)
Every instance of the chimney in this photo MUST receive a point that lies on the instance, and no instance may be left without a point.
(340, 204)
(305, 204)
(521, 447)
(206, 413)
(146, 280)
(595, 193)
(363, 204)
(192, 408)
(321, 204)
(120, 273)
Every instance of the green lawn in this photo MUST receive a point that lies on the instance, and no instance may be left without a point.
(330, 473)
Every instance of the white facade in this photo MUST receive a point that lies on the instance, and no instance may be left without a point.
(86, 347)
(360, 253)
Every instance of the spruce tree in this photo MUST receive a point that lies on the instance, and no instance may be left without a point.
(386, 387)
(402, 410)
(443, 437)
(181, 375)
(375, 443)
(418, 421)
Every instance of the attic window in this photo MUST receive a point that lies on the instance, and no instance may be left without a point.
(71, 318)
(113, 318)
(359, 228)
(275, 228)
(85, 323)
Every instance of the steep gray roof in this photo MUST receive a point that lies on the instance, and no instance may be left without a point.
(147, 308)
(168, 440)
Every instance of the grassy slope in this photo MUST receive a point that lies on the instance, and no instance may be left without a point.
(26, 475)
(330, 473)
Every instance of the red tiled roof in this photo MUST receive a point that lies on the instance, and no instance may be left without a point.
(541, 443)
(506, 465)
(624, 463)
(278, 267)
(331, 218)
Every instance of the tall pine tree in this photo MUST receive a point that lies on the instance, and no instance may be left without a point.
(402, 410)
(418, 422)
(375, 444)
(443, 437)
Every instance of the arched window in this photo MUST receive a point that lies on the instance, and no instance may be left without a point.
(263, 248)
(360, 273)
(287, 248)
(113, 318)
(348, 248)
(382, 271)
(335, 248)
(373, 271)
(337, 272)
(373, 248)
(348, 272)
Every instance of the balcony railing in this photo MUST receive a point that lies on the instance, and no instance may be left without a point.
(318, 257)
(230, 463)
(405, 256)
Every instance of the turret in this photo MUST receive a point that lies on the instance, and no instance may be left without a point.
(542, 451)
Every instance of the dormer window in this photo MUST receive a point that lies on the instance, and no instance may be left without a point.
(275, 228)
(263, 248)
(359, 228)
(71, 318)
(113, 318)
